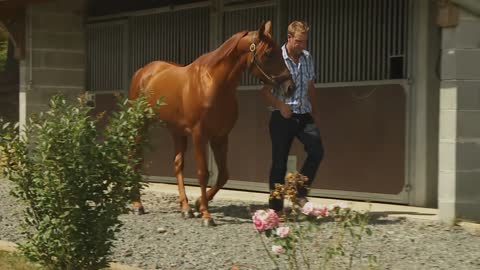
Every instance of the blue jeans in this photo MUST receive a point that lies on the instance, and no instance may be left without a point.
(282, 133)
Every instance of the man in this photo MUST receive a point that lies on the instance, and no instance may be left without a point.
(295, 115)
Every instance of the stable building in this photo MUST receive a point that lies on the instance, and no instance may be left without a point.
(398, 85)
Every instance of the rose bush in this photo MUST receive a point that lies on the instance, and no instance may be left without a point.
(291, 239)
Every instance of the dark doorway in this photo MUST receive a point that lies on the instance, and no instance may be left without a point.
(9, 79)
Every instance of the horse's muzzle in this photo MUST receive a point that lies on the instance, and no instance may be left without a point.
(290, 89)
(287, 87)
(285, 82)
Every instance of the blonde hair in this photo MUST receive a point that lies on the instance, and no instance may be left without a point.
(298, 27)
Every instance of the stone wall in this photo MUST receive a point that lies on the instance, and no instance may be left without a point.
(459, 144)
(55, 54)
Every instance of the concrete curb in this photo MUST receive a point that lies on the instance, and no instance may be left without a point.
(473, 228)
(8, 246)
(12, 247)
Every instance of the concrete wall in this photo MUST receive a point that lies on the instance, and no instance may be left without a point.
(422, 137)
(459, 143)
(55, 54)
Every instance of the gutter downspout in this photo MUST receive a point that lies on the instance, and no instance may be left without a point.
(22, 116)
(30, 48)
(472, 6)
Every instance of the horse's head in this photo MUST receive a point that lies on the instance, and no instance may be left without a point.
(266, 60)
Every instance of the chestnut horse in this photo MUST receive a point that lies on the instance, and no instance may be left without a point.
(201, 102)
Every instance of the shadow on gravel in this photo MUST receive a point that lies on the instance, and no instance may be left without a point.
(237, 211)
(382, 218)
(243, 213)
(403, 213)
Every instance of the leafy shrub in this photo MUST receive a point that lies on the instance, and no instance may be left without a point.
(74, 179)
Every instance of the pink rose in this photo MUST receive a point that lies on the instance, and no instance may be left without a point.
(316, 212)
(259, 224)
(311, 209)
(307, 209)
(278, 249)
(324, 211)
(265, 220)
(321, 212)
(283, 231)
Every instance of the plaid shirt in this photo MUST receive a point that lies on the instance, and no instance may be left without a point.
(301, 74)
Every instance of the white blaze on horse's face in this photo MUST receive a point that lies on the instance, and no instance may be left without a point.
(268, 61)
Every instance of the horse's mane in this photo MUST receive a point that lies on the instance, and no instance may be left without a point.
(227, 48)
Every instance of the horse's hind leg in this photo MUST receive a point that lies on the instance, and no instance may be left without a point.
(135, 193)
(180, 143)
(219, 147)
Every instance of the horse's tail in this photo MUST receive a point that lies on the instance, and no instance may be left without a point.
(134, 91)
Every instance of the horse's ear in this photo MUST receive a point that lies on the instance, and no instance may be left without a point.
(265, 30)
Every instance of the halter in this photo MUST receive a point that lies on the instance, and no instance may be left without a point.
(271, 79)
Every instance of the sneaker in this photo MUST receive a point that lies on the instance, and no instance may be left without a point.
(276, 204)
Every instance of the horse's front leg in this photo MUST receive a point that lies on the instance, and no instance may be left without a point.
(200, 153)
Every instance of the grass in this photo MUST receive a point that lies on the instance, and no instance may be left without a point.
(14, 261)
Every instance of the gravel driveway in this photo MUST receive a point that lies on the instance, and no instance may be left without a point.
(161, 239)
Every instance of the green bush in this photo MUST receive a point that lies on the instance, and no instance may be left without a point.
(74, 179)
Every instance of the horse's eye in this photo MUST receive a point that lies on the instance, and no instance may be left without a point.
(268, 54)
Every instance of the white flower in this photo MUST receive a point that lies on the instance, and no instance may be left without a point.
(283, 231)
(278, 249)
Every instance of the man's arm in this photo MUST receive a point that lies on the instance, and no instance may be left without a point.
(313, 101)
(271, 100)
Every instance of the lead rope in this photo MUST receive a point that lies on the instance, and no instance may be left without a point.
(253, 49)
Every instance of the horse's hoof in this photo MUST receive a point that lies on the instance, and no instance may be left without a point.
(208, 222)
(187, 214)
(139, 210)
(197, 214)
(197, 205)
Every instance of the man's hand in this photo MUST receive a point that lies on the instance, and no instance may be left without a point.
(285, 110)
